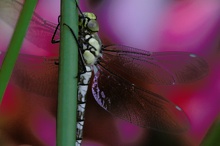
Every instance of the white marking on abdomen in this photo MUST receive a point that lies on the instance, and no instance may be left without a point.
(82, 91)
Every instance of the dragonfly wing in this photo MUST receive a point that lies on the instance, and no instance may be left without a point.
(36, 74)
(9, 11)
(32, 73)
(40, 31)
(138, 106)
(145, 67)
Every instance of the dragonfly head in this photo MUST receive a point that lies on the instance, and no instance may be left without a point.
(89, 22)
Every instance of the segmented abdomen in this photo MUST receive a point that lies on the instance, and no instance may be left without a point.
(82, 91)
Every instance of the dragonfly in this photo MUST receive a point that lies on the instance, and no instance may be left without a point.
(120, 75)
(89, 45)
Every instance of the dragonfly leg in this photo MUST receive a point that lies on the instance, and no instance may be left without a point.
(79, 8)
(79, 46)
(56, 63)
(53, 41)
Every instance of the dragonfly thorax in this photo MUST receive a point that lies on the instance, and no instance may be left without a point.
(91, 48)
(88, 36)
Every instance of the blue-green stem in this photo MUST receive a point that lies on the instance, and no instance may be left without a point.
(68, 72)
(15, 44)
(212, 136)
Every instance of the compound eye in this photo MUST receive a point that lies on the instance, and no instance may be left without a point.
(93, 25)
(90, 15)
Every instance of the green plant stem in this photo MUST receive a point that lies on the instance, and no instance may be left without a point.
(68, 73)
(15, 44)
(212, 136)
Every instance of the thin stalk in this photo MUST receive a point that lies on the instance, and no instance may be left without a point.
(68, 72)
(212, 136)
(15, 44)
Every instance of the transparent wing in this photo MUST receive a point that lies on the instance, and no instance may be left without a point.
(142, 67)
(32, 73)
(36, 74)
(9, 11)
(40, 31)
(138, 106)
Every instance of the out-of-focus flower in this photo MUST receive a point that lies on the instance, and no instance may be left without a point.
(186, 25)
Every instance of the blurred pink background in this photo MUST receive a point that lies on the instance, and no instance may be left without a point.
(172, 25)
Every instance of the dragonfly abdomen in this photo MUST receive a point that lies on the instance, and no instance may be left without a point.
(82, 91)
